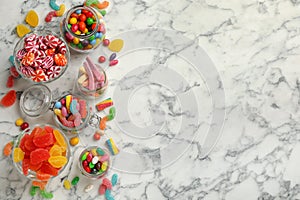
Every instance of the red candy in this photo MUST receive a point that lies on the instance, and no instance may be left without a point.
(107, 183)
(24, 126)
(53, 72)
(38, 75)
(9, 99)
(52, 41)
(60, 59)
(10, 81)
(82, 18)
(102, 189)
(48, 169)
(101, 59)
(25, 166)
(47, 62)
(113, 62)
(39, 155)
(50, 15)
(106, 42)
(13, 72)
(43, 139)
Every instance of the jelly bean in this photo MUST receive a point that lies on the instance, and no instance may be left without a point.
(88, 188)
(84, 156)
(108, 194)
(24, 126)
(113, 62)
(103, 12)
(102, 124)
(78, 11)
(101, 59)
(10, 81)
(98, 166)
(100, 151)
(67, 184)
(46, 195)
(74, 141)
(19, 122)
(114, 179)
(64, 111)
(87, 169)
(91, 165)
(112, 56)
(75, 180)
(33, 190)
(53, 5)
(74, 29)
(95, 160)
(107, 183)
(57, 104)
(102, 189)
(112, 113)
(106, 42)
(89, 157)
(103, 158)
(97, 136)
(85, 163)
(104, 166)
(93, 42)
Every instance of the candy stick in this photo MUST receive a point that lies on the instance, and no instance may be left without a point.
(91, 85)
(68, 102)
(103, 106)
(112, 146)
(94, 69)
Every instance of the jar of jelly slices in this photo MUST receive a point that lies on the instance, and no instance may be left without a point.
(70, 113)
(83, 28)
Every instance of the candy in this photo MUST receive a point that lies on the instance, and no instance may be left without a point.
(50, 15)
(67, 184)
(102, 124)
(100, 151)
(103, 5)
(25, 166)
(112, 56)
(10, 81)
(82, 111)
(60, 59)
(59, 138)
(42, 176)
(48, 169)
(88, 188)
(55, 150)
(43, 139)
(47, 62)
(57, 104)
(57, 161)
(97, 136)
(106, 42)
(116, 45)
(114, 179)
(112, 113)
(61, 10)
(103, 12)
(28, 59)
(14, 72)
(74, 141)
(53, 72)
(104, 104)
(91, 82)
(8, 148)
(32, 18)
(94, 69)
(53, 5)
(102, 189)
(46, 195)
(33, 190)
(105, 157)
(40, 184)
(21, 53)
(39, 155)
(62, 48)
(18, 154)
(113, 62)
(64, 111)
(107, 183)
(108, 194)
(9, 99)
(112, 146)
(101, 59)
(22, 30)
(75, 180)
(95, 160)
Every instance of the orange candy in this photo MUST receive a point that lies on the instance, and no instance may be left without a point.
(57, 161)
(60, 139)
(60, 59)
(43, 176)
(28, 59)
(9, 99)
(102, 125)
(40, 184)
(55, 150)
(8, 148)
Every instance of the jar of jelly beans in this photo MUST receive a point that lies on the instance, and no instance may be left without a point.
(83, 28)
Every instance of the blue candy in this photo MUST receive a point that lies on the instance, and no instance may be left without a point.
(78, 12)
(58, 104)
(53, 5)
(11, 60)
(108, 195)
(98, 35)
(93, 42)
(114, 179)
(73, 107)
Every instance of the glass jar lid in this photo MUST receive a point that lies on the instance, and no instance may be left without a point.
(36, 100)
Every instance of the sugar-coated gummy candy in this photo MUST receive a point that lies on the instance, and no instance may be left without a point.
(59, 138)
(42, 176)
(25, 166)
(100, 151)
(102, 189)
(8, 148)
(39, 155)
(32, 18)
(46, 195)
(9, 99)
(53, 5)
(67, 184)
(57, 161)
(48, 169)
(22, 30)
(114, 179)
(33, 190)
(18, 154)
(43, 139)
(55, 150)
(40, 184)
(116, 45)
(75, 180)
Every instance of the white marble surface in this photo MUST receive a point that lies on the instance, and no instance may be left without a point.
(254, 46)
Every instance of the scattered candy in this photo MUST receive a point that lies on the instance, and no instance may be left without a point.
(8, 148)
(107, 183)
(101, 132)
(104, 104)
(75, 180)
(114, 179)
(88, 188)
(19, 122)
(92, 161)
(9, 99)
(10, 81)
(112, 56)
(116, 45)
(102, 124)
(102, 59)
(108, 195)
(39, 184)
(74, 141)
(49, 16)
(106, 42)
(112, 146)
(22, 30)
(32, 18)
(113, 62)
(14, 72)
(102, 189)
(33, 190)
(18, 154)
(67, 184)
(112, 113)
(12, 60)
(46, 195)
(53, 5)
(42, 58)
(97, 136)
(61, 10)
(24, 126)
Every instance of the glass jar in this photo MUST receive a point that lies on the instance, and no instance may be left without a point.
(83, 28)
(94, 162)
(41, 56)
(70, 113)
(23, 144)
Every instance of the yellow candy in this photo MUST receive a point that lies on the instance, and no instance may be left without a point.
(97, 41)
(94, 152)
(89, 46)
(57, 161)
(104, 166)
(18, 155)
(76, 40)
(116, 45)
(67, 184)
(61, 10)
(86, 30)
(22, 30)
(32, 18)
(68, 101)
(19, 122)
(55, 150)
(73, 20)
(78, 32)
(74, 141)
(58, 113)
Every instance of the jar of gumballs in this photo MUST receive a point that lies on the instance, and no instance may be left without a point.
(83, 28)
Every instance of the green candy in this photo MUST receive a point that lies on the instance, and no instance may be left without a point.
(112, 113)
(75, 180)
(92, 37)
(69, 26)
(33, 190)
(79, 46)
(84, 156)
(90, 2)
(91, 165)
(46, 195)
(100, 151)
(103, 12)
(89, 21)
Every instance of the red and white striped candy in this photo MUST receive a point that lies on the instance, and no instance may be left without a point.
(52, 41)
(30, 38)
(41, 43)
(38, 75)
(21, 53)
(53, 72)
(31, 45)
(28, 59)
(27, 71)
(37, 62)
(62, 48)
(47, 62)
(38, 53)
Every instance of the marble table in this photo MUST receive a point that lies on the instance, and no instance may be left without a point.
(206, 93)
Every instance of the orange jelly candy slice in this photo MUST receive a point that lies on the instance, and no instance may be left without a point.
(57, 161)
(18, 154)
(60, 138)
(55, 150)
(43, 176)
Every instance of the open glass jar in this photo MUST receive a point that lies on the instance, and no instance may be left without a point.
(83, 28)
(70, 113)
